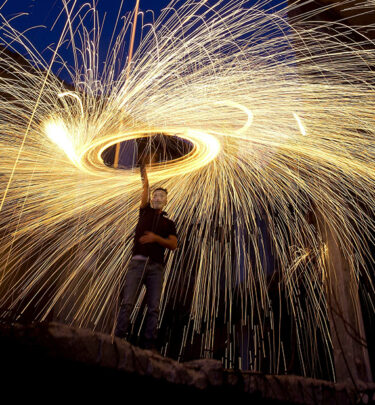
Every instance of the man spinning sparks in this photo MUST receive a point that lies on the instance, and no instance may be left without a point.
(154, 233)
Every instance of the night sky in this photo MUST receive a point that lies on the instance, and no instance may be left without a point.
(42, 14)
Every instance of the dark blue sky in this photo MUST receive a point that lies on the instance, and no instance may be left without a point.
(45, 12)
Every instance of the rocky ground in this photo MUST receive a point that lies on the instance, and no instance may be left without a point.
(55, 361)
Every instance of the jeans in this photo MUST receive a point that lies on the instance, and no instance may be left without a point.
(141, 272)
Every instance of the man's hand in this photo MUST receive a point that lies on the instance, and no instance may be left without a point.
(142, 168)
(148, 237)
(145, 193)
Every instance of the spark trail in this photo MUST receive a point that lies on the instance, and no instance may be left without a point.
(280, 113)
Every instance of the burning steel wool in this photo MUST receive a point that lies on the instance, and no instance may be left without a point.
(280, 116)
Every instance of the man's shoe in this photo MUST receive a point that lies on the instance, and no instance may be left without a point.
(151, 345)
(122, 336)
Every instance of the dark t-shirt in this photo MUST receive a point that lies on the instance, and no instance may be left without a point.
(150, 220)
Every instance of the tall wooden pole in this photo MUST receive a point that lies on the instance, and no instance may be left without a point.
(117, 153)
(350, 352)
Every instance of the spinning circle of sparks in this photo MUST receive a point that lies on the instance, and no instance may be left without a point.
(280, 115)
(206, 149)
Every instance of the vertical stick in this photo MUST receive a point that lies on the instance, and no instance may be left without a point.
(351, 357)
(117, 153)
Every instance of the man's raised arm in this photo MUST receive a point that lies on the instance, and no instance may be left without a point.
(146, 191)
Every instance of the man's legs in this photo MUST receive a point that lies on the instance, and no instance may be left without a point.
(154, 284)
(133, 283)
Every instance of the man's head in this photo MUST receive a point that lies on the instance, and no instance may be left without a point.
(159, 198)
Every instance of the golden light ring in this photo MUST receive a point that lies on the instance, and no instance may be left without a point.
(205, 148)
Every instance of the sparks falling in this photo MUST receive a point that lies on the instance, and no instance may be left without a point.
(280, 115)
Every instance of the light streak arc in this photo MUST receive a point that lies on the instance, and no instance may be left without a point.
(234, 81)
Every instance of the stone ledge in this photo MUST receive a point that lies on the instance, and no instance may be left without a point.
(62, 349)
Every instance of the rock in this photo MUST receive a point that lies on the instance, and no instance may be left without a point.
(65, 356)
